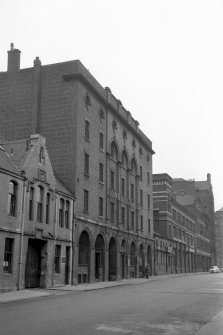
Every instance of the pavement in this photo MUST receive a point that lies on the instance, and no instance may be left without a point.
(214, 327)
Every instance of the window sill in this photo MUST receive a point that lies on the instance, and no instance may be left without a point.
(101, 217)
(101, 182)
(86, 174)
(87, 139)
(86, 212)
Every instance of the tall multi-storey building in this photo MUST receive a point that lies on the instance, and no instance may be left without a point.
(219, 237)
(98, 151)
(36, 218)
(181, 227)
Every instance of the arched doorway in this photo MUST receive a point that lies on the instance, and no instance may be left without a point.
(124, 259)
(149, 260)
(84, 258)
(112, 271)
(141, 262)
(133, 260)
(99, 258)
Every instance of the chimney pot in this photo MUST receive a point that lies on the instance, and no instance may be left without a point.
(13, 59)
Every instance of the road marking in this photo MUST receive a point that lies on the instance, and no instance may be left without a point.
(114, 329)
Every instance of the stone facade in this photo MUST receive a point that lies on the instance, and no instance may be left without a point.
(219, 237)
(97, 150)
(32, 224)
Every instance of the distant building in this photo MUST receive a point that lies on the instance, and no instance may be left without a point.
(219, 237)
(181, 227)
(36, 218)
(100, 154)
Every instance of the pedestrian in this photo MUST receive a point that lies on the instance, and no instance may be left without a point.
(147, 271)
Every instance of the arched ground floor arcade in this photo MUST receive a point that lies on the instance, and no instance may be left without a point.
(106, 254)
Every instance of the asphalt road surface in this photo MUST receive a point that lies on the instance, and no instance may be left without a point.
(169, 306)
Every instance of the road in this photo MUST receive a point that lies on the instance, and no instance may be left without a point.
(169, 306)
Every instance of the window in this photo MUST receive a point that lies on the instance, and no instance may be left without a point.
(86, 164)
(57, 258)
(31, 202)
(141, 222)
(40, 204)
(86, 194)
(114, 151)
(61, 213)
(7, 262)
(101, 172)
(123, 186)
(132, 192)
(112, 211)
(123, 215)
(87, 130)
(47, 208)
(101, 212)
(149, 228)
(112, 180)
(141, 197)
(67, 214)
(132, 220)
(13, 187)
(101, 141)
(140, 172)
(148, 197)
(148, 178)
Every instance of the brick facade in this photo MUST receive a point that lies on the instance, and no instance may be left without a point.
(56, 101)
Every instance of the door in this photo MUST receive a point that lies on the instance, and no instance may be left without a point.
(67, 265)
(33, 264)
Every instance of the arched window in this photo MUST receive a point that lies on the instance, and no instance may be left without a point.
(114, 151)
(133, 166)
(124, 159)
(13, 190)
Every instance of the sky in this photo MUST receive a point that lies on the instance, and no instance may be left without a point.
(162, 58)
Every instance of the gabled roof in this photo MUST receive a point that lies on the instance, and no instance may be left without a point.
(6, 163)
(18, 151)
(61, 188)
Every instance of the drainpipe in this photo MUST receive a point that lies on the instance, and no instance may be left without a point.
(22, 225)
(72, 247)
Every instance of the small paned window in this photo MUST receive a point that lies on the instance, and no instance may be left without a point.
(31, 202)
(123, 215)
(141, 173)
(148, 178)
(101, 172)
(132, 220)
(149, 228)
(112, 180)
(57, 258)
(8, 255)
(86, 195)
(13, 190)
(132, 193)
(101, 205)
(141, 222)
(112, 205)
(67, 214)
(123, 186)
(40, 204)
(61, 213)
(101, 141)
(47, 208)
(87, 130)
(86, 164)
(141, 197)
(148, 198)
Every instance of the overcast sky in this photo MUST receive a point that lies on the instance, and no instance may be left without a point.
(162, 59)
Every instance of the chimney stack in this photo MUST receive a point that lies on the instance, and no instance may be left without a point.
(13, 59)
